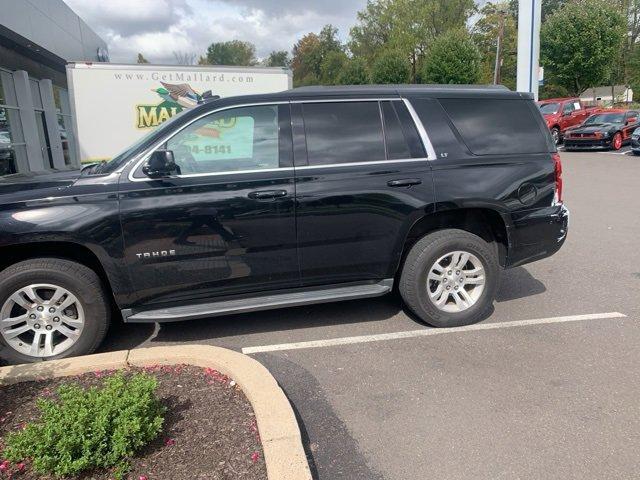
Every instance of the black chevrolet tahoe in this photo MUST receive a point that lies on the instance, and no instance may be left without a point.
(316, 194)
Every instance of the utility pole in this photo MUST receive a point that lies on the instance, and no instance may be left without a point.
(496, 71)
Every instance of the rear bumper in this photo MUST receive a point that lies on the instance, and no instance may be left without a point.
(537, 234)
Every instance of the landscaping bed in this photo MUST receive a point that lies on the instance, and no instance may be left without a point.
(209, 429)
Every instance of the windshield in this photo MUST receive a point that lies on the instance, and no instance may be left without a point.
(115, 162)
(605, 118)
(549, 108)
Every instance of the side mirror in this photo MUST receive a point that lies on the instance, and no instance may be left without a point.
(631, 120)
(160, 164)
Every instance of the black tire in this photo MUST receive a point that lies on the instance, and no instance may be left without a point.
(636, 152)
(76, 278)
(421, 257)
(556, 135)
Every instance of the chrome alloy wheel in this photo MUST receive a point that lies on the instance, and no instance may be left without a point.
(456, 281)
(41, 320)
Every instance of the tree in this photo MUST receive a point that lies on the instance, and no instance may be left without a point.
(141, 59)
(354, 73)
(332, 66)
(309, 53)
(390, 67)
(278, 58)
(452, 58)
(580, 43)
(547, 8)
(406, 26)
(233, 52)
(184, 58)
(485, 34)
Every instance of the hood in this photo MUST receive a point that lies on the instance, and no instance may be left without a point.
(37, 180)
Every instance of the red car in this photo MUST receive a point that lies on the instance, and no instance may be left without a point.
(608, 128)
(563, 113)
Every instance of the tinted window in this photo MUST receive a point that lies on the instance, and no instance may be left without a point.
(495, 126)
(343, 132)
(243, 138)
(568, 108)
(401, 137)
(397, 147)
(549, 108)
(605, 118)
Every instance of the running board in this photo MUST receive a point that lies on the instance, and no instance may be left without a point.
(228, 307)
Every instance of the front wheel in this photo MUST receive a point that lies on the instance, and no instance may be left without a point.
(50, 308)
(616, 142)
(450, 278)
(555, 134)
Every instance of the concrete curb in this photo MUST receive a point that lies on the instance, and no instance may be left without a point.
(277, 425)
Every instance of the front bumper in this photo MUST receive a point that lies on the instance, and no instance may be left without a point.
(587, 143)
(537, 234)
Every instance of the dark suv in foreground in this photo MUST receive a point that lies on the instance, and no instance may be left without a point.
(306, 196)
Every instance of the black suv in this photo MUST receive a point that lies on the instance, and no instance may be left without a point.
(311, 195)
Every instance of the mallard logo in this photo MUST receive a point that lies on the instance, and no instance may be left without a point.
(175, 98)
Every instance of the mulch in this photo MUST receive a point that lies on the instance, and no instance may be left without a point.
(210, 430)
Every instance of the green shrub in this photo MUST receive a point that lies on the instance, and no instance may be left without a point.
(88, 428)
(355, 73)
(390, 67)
(452, 58)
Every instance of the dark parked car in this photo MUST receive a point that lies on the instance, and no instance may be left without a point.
(607, 129)
(635, 141)
(305, 196)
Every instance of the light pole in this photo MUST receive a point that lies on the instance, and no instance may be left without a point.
(529, 13)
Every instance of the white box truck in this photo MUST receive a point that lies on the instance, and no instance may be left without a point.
(113, 105)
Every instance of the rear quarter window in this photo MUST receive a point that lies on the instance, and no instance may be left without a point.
(490, 126)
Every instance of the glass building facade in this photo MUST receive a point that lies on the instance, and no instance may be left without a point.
(37, 40)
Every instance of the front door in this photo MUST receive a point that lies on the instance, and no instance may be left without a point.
(224, 223)
(362, 179)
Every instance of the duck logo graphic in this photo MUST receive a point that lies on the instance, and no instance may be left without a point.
(175, 98)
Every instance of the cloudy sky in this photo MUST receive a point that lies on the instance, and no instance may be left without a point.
(157, 28)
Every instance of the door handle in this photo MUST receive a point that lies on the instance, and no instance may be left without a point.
(267, 194)
(404, 182)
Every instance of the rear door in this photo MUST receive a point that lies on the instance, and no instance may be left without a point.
(362, 179)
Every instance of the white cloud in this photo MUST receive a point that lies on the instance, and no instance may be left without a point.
(157, 28)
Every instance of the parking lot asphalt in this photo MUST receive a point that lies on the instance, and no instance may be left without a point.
(553, 398)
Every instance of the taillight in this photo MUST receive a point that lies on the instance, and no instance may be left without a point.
(557, 168)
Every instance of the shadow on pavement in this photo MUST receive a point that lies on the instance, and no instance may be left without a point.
(126, 336)
(518, 283)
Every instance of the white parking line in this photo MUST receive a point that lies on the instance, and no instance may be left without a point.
(427, 332)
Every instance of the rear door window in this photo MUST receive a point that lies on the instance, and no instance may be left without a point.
(401, 137)
(490, 126)
(343, 132)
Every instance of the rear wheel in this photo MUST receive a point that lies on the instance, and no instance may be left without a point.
(616, 141)
(50, 308)
(450, 278)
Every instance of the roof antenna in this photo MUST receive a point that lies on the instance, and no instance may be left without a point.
(208, 97)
